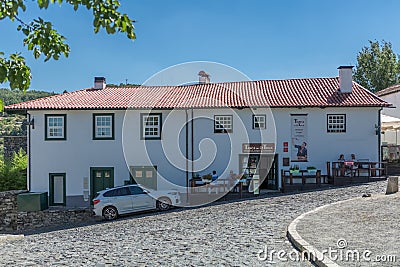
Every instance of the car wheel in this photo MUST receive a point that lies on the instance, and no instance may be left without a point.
(163, 204)
(110, 213)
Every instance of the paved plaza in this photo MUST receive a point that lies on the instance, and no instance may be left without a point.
(225, 234)
(362, 231)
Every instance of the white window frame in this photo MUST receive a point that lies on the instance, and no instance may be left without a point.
(261, 120)
(223, 123)
(336, 123)
(51, 129)
(151, 128)
(96, 126)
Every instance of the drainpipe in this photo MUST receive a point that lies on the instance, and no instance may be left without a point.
(379, 135)
(192, 141)
(29, 152)
(187, 155)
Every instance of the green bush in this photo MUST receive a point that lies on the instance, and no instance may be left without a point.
(13, 172)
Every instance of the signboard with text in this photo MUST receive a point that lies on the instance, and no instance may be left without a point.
(258, 148)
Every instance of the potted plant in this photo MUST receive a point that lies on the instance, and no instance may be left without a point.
(207, 178)
(311, 170)
(295, 169)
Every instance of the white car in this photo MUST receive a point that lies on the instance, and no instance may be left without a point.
(110, 203)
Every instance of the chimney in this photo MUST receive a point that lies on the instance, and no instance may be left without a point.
(204, 77)
(99, 83)
(346, 79)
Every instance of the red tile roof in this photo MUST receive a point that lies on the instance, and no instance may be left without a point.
(315, 92)
(390, 90)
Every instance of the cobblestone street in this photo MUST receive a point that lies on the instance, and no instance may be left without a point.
(226, 234)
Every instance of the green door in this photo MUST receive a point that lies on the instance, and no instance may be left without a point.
(100, 179)
(145, 175)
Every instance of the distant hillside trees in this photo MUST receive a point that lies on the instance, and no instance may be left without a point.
(12, 124)
(15, 96)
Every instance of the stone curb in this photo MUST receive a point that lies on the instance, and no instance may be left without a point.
(5, 238)
(306, 248)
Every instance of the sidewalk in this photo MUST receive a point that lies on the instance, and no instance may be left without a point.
(358, 232)
(5, 238)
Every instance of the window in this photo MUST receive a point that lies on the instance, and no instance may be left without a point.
(135, 190)
(123, 191)
(55, 127)
(151, 126)
(103, 126)
(336, 123)
(259, 121)
(223, 123)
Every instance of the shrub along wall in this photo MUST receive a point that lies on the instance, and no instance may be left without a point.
(12, 220)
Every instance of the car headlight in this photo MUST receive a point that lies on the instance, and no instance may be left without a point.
(173, 193)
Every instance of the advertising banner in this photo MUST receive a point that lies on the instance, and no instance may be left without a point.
(299, 151)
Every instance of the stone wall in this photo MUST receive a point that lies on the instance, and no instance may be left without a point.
(8, 210)
(12, 220)
(49, 218)
(13, 144)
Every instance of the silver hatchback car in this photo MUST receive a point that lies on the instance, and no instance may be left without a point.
(111, 203)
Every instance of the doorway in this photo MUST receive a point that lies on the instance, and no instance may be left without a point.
(265, 165)
(145, 176)
(57, 194)
(100, 179)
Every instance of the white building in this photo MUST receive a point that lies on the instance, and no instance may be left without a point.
(390, 130)
(84, 141)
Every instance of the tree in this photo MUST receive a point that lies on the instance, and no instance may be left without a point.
(378, 67)
(42, 39)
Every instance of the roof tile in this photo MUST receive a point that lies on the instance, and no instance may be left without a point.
(313, 92)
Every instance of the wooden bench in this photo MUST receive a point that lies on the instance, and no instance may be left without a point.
(288, 178)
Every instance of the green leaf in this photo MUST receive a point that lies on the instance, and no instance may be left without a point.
(41, 38)
(377, 66)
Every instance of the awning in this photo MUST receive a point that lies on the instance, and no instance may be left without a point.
(389, 123)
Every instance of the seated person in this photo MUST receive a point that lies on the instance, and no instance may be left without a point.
(353, 159)
(341, 160)
(214, 176)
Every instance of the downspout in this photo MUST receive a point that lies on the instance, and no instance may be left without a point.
(379, 135)
(187, 156)
(192, 142)
(29, 153)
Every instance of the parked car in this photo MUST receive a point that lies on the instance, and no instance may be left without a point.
(110, 203)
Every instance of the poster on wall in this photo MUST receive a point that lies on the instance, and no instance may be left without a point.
(299, 151)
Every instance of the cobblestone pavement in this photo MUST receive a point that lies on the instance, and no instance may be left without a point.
(354, 227)
(227, 234)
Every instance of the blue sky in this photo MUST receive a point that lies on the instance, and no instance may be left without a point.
(264, 39)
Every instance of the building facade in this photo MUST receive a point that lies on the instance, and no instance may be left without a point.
(84, 141)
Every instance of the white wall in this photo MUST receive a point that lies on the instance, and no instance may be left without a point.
(394, 99)
(359, 138)
(79, 152)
